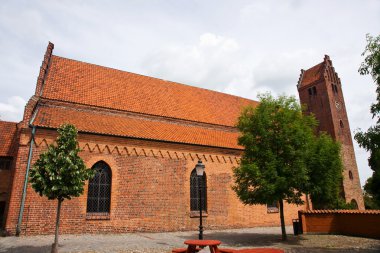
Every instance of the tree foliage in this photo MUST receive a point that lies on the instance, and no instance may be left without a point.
(369, 201)
(371, 66)
(325, 173)
(283, 158)
(276, 136)
(370, 140)
(60, 173)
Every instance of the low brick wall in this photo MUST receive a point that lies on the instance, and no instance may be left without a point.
(345, 222)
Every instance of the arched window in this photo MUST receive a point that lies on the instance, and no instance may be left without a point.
(99, 189)
(354, 204)
(350, 175)
(195, 182)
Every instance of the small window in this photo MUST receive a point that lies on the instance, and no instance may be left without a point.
(341, 124)
(273, 207)
(350, 175)
(5, 163)
(334, 88)
(195, 183)
(312, 91)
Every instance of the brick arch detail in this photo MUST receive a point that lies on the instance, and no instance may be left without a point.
(106, 149)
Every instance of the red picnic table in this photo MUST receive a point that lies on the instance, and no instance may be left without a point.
(212, 244)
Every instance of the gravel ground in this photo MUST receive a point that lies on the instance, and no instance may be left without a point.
(164, 242)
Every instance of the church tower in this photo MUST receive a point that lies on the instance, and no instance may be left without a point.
(320, 90)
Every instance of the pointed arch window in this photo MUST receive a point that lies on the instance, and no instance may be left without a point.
(354, 204)
(195, 183)
(99, 189)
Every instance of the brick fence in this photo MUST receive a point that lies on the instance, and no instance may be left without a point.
(345, 222)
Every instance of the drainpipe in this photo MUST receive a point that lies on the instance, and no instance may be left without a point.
(18, 227)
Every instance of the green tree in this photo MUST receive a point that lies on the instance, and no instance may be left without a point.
(369, 202)
(325, 173)
(370, 140)
(276, 137)
(60, 173)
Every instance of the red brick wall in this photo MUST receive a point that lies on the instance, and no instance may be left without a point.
(150, 189)
(357, 223)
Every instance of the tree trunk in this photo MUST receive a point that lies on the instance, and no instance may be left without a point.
(283, 231)
(54, 248)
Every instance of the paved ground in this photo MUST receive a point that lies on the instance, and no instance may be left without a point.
(164, 242)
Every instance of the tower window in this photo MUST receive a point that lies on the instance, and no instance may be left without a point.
(354, 204)
(341, 124)
(350, 175)
(312, 91)
(334, 88)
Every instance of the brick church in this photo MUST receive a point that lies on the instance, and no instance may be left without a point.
(144, 136)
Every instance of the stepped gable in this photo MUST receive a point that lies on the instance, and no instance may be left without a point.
(323, 70)
(89, 84)
(314, 73)
(7, 134)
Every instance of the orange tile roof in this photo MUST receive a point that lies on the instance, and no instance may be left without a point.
(7, 135)
(122, 125)
(89, 84)
(313, 74)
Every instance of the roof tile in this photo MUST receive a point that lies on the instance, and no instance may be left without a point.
(313, 74)
(89, 84)
(7, 134)
(126, 126)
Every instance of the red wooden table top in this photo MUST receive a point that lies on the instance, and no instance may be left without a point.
(203, 242)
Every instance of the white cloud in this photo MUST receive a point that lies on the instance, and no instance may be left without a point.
(280, 72)
(212, 62)
(209, 40)
(13, 109)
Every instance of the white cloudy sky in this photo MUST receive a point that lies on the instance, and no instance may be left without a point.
(238, 47)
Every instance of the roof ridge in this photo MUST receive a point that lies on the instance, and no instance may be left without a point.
(8, 122)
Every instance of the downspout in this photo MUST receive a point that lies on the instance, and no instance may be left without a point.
(18, 226)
